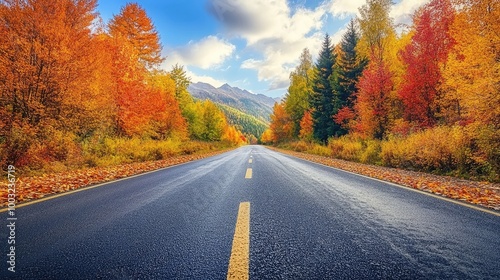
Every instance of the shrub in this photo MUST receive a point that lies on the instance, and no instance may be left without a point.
(114, 151)
(346, 147)
(484, 155)
(436, 149)
(18, 143)
(471, 151)
(354, 148)
(300, 146)
(320, 150)
(41, 148)
(370, 152)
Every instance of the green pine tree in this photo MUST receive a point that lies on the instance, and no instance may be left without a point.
(323, 98)
(350, 66)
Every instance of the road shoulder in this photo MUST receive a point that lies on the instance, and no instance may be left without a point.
(482, 194)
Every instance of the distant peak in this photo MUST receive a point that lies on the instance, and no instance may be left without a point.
(224, 86)
(202, 83)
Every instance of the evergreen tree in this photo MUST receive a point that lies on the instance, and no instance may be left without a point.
(350, 66)
(322, 98)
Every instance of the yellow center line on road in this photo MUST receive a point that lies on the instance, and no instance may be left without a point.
(248, 175)
(240, 252)
(250, 161)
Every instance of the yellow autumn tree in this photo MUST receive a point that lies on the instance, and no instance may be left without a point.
(472, 79)
(472, 72)
(267, 136)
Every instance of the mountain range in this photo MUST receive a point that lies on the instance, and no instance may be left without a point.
(247, 111)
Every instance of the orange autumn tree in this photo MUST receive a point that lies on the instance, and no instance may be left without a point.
(267, 136)
(306, 127)
(43, 64)
(472, 73)
(281, 124)
(135, 27)
(167, 118)
(145, 108)
(130, 93)
(472, 79)
(45, 76)
(233, 136)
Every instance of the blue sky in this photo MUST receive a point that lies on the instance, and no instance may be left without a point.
(251, 44)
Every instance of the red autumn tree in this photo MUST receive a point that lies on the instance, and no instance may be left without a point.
(344, 117)
(424, 57)
(373, 106)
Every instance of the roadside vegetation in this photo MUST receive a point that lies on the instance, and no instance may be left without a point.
(423, 98)
(79, 93)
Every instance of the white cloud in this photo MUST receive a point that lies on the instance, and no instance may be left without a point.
(279, 32)
(204, 79)
(337, 36)
(272, 29)
(343, 8)
(402, 12)
(207, 53)
(280, 58)
(252, 20)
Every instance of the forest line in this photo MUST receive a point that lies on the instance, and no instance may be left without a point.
(77, 92)
(424, 98)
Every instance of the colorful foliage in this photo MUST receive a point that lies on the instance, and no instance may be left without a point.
(306, 127)
(373, 106)
(424, 57)
(67, 80)
(281, 124)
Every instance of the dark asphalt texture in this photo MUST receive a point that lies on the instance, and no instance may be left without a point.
(307, 221)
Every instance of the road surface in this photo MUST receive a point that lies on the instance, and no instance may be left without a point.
(271, 215)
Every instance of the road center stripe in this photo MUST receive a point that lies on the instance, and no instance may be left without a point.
(250, 161)
(239, 261)
(248, 175)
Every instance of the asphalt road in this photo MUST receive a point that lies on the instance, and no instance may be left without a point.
(306, 221)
